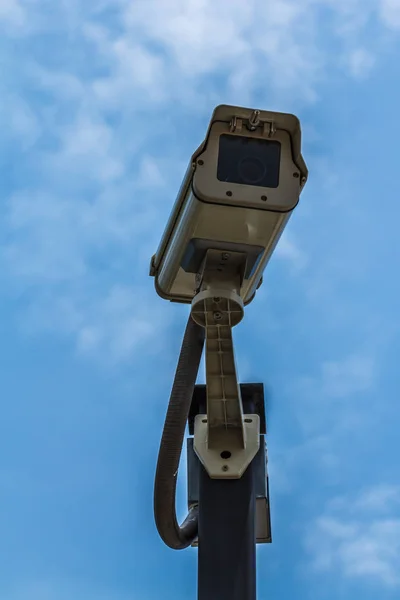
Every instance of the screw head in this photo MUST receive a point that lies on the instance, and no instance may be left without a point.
(217, 316)
(225, 468)
(200, 162)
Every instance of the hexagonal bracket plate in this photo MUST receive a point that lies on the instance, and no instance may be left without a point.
(228, 459)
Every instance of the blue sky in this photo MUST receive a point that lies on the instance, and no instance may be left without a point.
(101, 105)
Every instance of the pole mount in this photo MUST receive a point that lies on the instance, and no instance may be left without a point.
(225, 439)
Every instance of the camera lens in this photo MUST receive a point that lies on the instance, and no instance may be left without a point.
(248, 161)
(251, 170)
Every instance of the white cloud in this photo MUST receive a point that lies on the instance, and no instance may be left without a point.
(123, 323)
(326, 407)
(289, 250)
(255, 44)
(361, 61)
(74, 256)
(88, 145)
(252, 47)
(380, 499)
(22, 123)
(341, 379)
(88, 190)
(111, 324)
(150, 173)
(362, 543)
(136, 77)
(390, 13)
(11, 13)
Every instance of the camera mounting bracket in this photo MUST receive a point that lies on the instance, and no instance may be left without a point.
(225, 439)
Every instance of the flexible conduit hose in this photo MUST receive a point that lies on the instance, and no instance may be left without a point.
(174, 535)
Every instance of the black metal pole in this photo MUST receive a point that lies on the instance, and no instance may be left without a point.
(227, 539)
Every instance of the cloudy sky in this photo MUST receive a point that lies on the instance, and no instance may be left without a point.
(101, 104)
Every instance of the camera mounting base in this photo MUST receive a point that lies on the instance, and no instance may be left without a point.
(225, 440)
(227, 459)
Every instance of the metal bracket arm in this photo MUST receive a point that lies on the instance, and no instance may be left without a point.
(225, 439)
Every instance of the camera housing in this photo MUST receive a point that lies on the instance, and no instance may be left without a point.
(238, 193)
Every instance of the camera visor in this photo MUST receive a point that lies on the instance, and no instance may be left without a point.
(249, 161)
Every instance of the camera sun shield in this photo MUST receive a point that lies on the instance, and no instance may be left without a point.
(245, 168)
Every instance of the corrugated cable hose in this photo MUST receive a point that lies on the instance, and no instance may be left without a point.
(174, 535)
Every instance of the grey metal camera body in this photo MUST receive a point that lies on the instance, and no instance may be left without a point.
(238, 193)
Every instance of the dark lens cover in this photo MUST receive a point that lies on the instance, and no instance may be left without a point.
(248, 161)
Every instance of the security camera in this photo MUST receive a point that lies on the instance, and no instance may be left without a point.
(238, 193)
